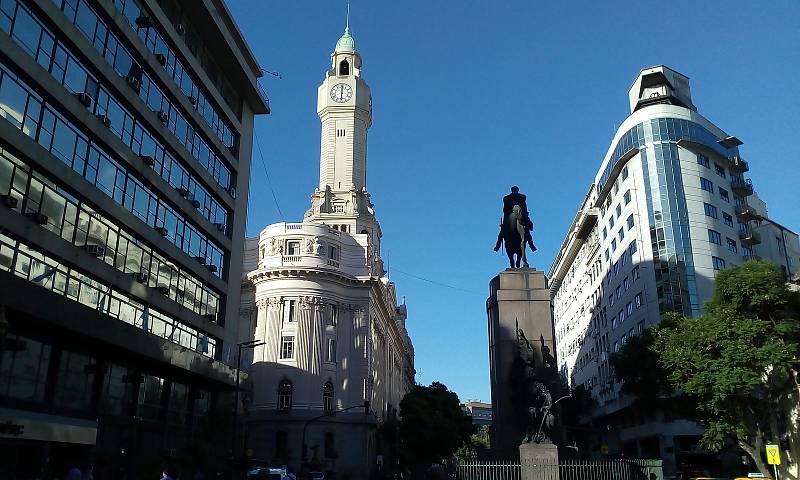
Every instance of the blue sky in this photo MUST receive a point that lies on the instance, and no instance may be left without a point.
(471, 97)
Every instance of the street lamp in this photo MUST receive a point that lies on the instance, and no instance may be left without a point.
(365, 405)
(240, 347)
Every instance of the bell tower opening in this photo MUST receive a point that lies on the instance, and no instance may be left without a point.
(344, 68)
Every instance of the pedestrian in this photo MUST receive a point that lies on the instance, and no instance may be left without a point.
(170, 473)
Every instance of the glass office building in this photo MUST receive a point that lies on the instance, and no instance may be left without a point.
(125, 138)
(670, 206)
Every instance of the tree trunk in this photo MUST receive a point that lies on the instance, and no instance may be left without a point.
(755, 453)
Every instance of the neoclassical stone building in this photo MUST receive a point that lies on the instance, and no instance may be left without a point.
(317, 295)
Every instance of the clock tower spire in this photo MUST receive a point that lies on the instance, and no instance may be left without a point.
(344, 106)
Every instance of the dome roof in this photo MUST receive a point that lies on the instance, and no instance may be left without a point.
(347, 43)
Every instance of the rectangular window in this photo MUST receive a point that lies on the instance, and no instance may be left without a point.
(619, 210)
(706, 185)
(622, 316)
(626, 283)
(718, 263)
(287, 347)
(333, 253)
(632, 248)
(623, 259)
(711, 210)
(719, 169)
(625, 172)
(614, 322)
(611, 221)
(629, 308)
(611, 300)
(630, 221)
(723, 194)
(640, 327)
(714, 237)
(619, 292)
(635, 273)
(616, 267)
(747, 252)
(293, 247)
(731, 245)
(703, 160)
(621, 234)
(333, 315)
(290, 307)
(614, 245)
(627, 197)
(605, 233)
(606, 254)
(616, 346)
(638, 300)
(330, 351)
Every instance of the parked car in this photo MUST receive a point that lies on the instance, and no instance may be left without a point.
(316, 476)
(268, 473)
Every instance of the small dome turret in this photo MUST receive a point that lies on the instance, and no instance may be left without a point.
(347, 43)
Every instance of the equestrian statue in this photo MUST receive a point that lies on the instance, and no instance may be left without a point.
(515, 228)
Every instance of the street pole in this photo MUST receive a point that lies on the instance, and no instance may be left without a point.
(775, 469)
(303, 450)
(240, 346)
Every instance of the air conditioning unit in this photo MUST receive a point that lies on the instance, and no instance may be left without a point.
(180, 29)
(141, 277)
(220, 227)
(161, 59)
(163, 290)
(9, 201)
(163, 117)
(200, 259)
(232, 191)
(104, 120)
(84, 98)
(37, 217)
(195, 203)
(134, 82)
(162, 231)
(193, 100)
(95, 250)
(148, 160)
(212, 268)
(144, 22)
(184, 193)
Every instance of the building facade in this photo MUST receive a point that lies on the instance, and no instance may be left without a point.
(125, 138)
(670, 206)
(331, 333)
(480, 412)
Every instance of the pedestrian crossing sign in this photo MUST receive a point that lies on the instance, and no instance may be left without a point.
(773, 455)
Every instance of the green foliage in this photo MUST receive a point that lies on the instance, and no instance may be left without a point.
(432, 425)
(476, 442)
(736, 359)
(637, 366)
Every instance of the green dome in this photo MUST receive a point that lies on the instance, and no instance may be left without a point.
(347, 43)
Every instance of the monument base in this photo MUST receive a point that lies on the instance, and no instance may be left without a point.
(539, 461)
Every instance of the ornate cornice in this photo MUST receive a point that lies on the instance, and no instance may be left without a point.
(284, 272)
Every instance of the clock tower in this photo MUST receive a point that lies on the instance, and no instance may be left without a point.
(344, 106)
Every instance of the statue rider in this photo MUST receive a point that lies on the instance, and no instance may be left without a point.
(516, 198)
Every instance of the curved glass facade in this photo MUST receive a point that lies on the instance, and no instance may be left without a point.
(673, 263)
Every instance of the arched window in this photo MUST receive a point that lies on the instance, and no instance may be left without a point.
(327, 396)
(364, 232)
(285, 389)
(344, 68)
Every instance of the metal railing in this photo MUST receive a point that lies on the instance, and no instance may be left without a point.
(621, 469)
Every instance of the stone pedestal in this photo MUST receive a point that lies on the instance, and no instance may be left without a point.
(518, 299)
(539, 461)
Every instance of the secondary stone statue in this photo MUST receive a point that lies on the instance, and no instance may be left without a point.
(515, 228)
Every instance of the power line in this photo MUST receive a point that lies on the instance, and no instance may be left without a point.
(266, 172)
(434, 282)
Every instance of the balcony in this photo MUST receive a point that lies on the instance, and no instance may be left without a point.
(586, 221)
(738, 165)
(741, 187)
(749, 238)
(746, 213)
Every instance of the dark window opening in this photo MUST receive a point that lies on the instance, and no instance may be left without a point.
(344, 68)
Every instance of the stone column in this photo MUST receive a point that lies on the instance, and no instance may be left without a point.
(273, 330)
(302, 343)
(260, 332)
(317, 337)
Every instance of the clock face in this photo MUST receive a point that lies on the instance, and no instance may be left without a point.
(341, 93)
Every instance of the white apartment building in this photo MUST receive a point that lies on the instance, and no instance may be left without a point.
(669, 207)
(316, 297)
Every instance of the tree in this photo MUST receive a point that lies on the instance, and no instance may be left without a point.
(476, 442)
(739, 362)
(432, 425)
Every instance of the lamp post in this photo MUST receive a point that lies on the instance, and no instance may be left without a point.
(365, 405)
(240, 347)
